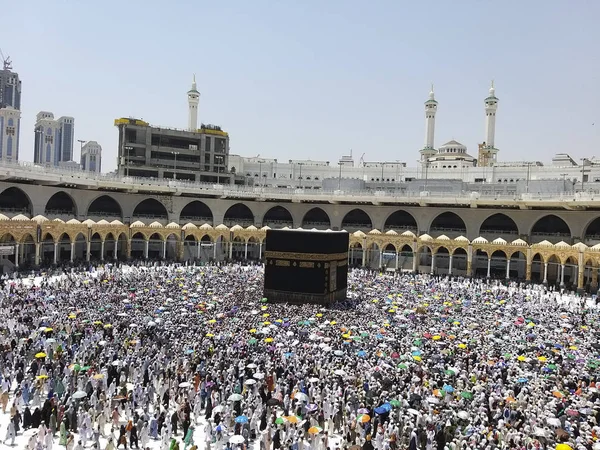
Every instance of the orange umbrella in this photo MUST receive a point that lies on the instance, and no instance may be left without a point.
(558, 394)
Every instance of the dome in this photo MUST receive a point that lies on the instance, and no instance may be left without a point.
(480, 240)
(519, 242)
(544, 244)
(409, 233)
(138, 224)
(596, 248)
(265, 228)
(443, 237)
(155, 225)
(40, 219)
(221, 227)
(3, 217)
(57, 220)
(204, 226)
(499, 241)
(236, 228)
(376, 231)
(358, 234)
(189, 226)
(251, 228)
(20, 217)
(391, 233)
(461, 239)
(102, 222)
(172, 225)
(117, 222)
(90, 222)
(562, 244)
(453, 147)
(580, 246)
(425, 237)
(73, 222)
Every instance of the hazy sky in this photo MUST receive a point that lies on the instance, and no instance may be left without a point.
(313, 79)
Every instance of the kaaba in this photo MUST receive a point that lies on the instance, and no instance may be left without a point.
(306, 266)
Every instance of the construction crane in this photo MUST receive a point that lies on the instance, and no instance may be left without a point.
(6, 62)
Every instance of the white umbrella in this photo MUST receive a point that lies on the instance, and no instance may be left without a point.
(80, 394)
(259, 376)
(236, 439)
(151, 324)
(463, 415)
(235, 398)
(251, 366)
(340, 372)
(218, 409)
(313, 379)
(50, 341)
(412, 411)
(338, 353)
(250, 381)
(301, 396)
(102, 343)
(185, 384)
(116, 362)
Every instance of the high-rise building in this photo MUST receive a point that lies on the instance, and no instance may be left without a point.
(65, 142)
(10, 88)
(53, 139)
(10, 112)
(91, 157)
(10, 121)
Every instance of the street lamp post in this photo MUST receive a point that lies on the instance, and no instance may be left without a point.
(583, 161)
(563, 175)
(527, 179)
(175, 166)
(340, 176)
(382, 166)
(300, 178)
(260, 177)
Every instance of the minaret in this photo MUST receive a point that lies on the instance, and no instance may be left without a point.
(430, 109)
(491, 105)
(193, 100)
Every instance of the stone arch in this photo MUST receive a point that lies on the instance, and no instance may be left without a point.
(14, 200)
(105, 206)
(238, 214)
(278, 217)
(61, 204)
(316, 218)
(357, 219)
(498, 224)
(592, 230)
(150, 208)
(551, 225)
(196, 211)
(448, 222)
(400, 220)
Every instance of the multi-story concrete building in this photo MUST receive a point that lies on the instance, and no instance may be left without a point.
(91, 157)
(10, 112)
(196, 154)
(53, 142)
(10, 121)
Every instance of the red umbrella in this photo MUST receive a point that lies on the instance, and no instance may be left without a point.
(395, 355)
(427, 335)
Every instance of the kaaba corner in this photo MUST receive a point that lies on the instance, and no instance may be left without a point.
(306, 266)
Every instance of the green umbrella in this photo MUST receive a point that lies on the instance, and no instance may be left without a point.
(552, 366)
(450, 372)
(402, 366)
(252, 341)
(364, 334)
(84, 368)
(571, 356)
(507, 355)
(395, 403)
(466, 394)
(132, 289)
(263, 300)
(279, 420)
(77, 367)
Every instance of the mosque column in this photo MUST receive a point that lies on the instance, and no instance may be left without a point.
(489, 267)
(246, 250)
(364, 256)
(415, 261)
(146, 245)
(260, 251)
(380, 258)
(580, 272)
(397, 268)
(594, 282)
(562, 275)
(72, 251)
(55, 252)
(88, 250)
(450, 264)
(230, 249)
(528, 264)
(102, 250)
(545, 273)
(432, 263)
(37, 253)
(469, 261)
(128, 248)
(215, 250)
(508, 268)
(164, 249)
(17, 254)
(198, 246)
(116, 250)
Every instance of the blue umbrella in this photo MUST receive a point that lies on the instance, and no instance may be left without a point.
(380, 410)
(448, 388)
(241, 419)
(362, 353)
(416, 353)
(523, 380)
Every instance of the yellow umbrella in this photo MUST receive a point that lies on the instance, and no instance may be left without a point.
(437, 337)
(462, 345)
(292, 419)
(319, 315)
(346, 336)
(572, 347)
(212, 321)
(266, 315)
(108, 325)
(521, 358)
(269, 339)
(563, 447)
(41, 377)
(375, 301)
(417, 358)
(264, 308)
(72, 316)
(97, 322)
(253, 330)
(315, 430)
(98, 376)
(210, 335)
(40, 355)
(266, 323)
(48, 329)
(333, 322)
(542, 359)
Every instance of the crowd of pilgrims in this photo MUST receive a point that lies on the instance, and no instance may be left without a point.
(183, 357)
